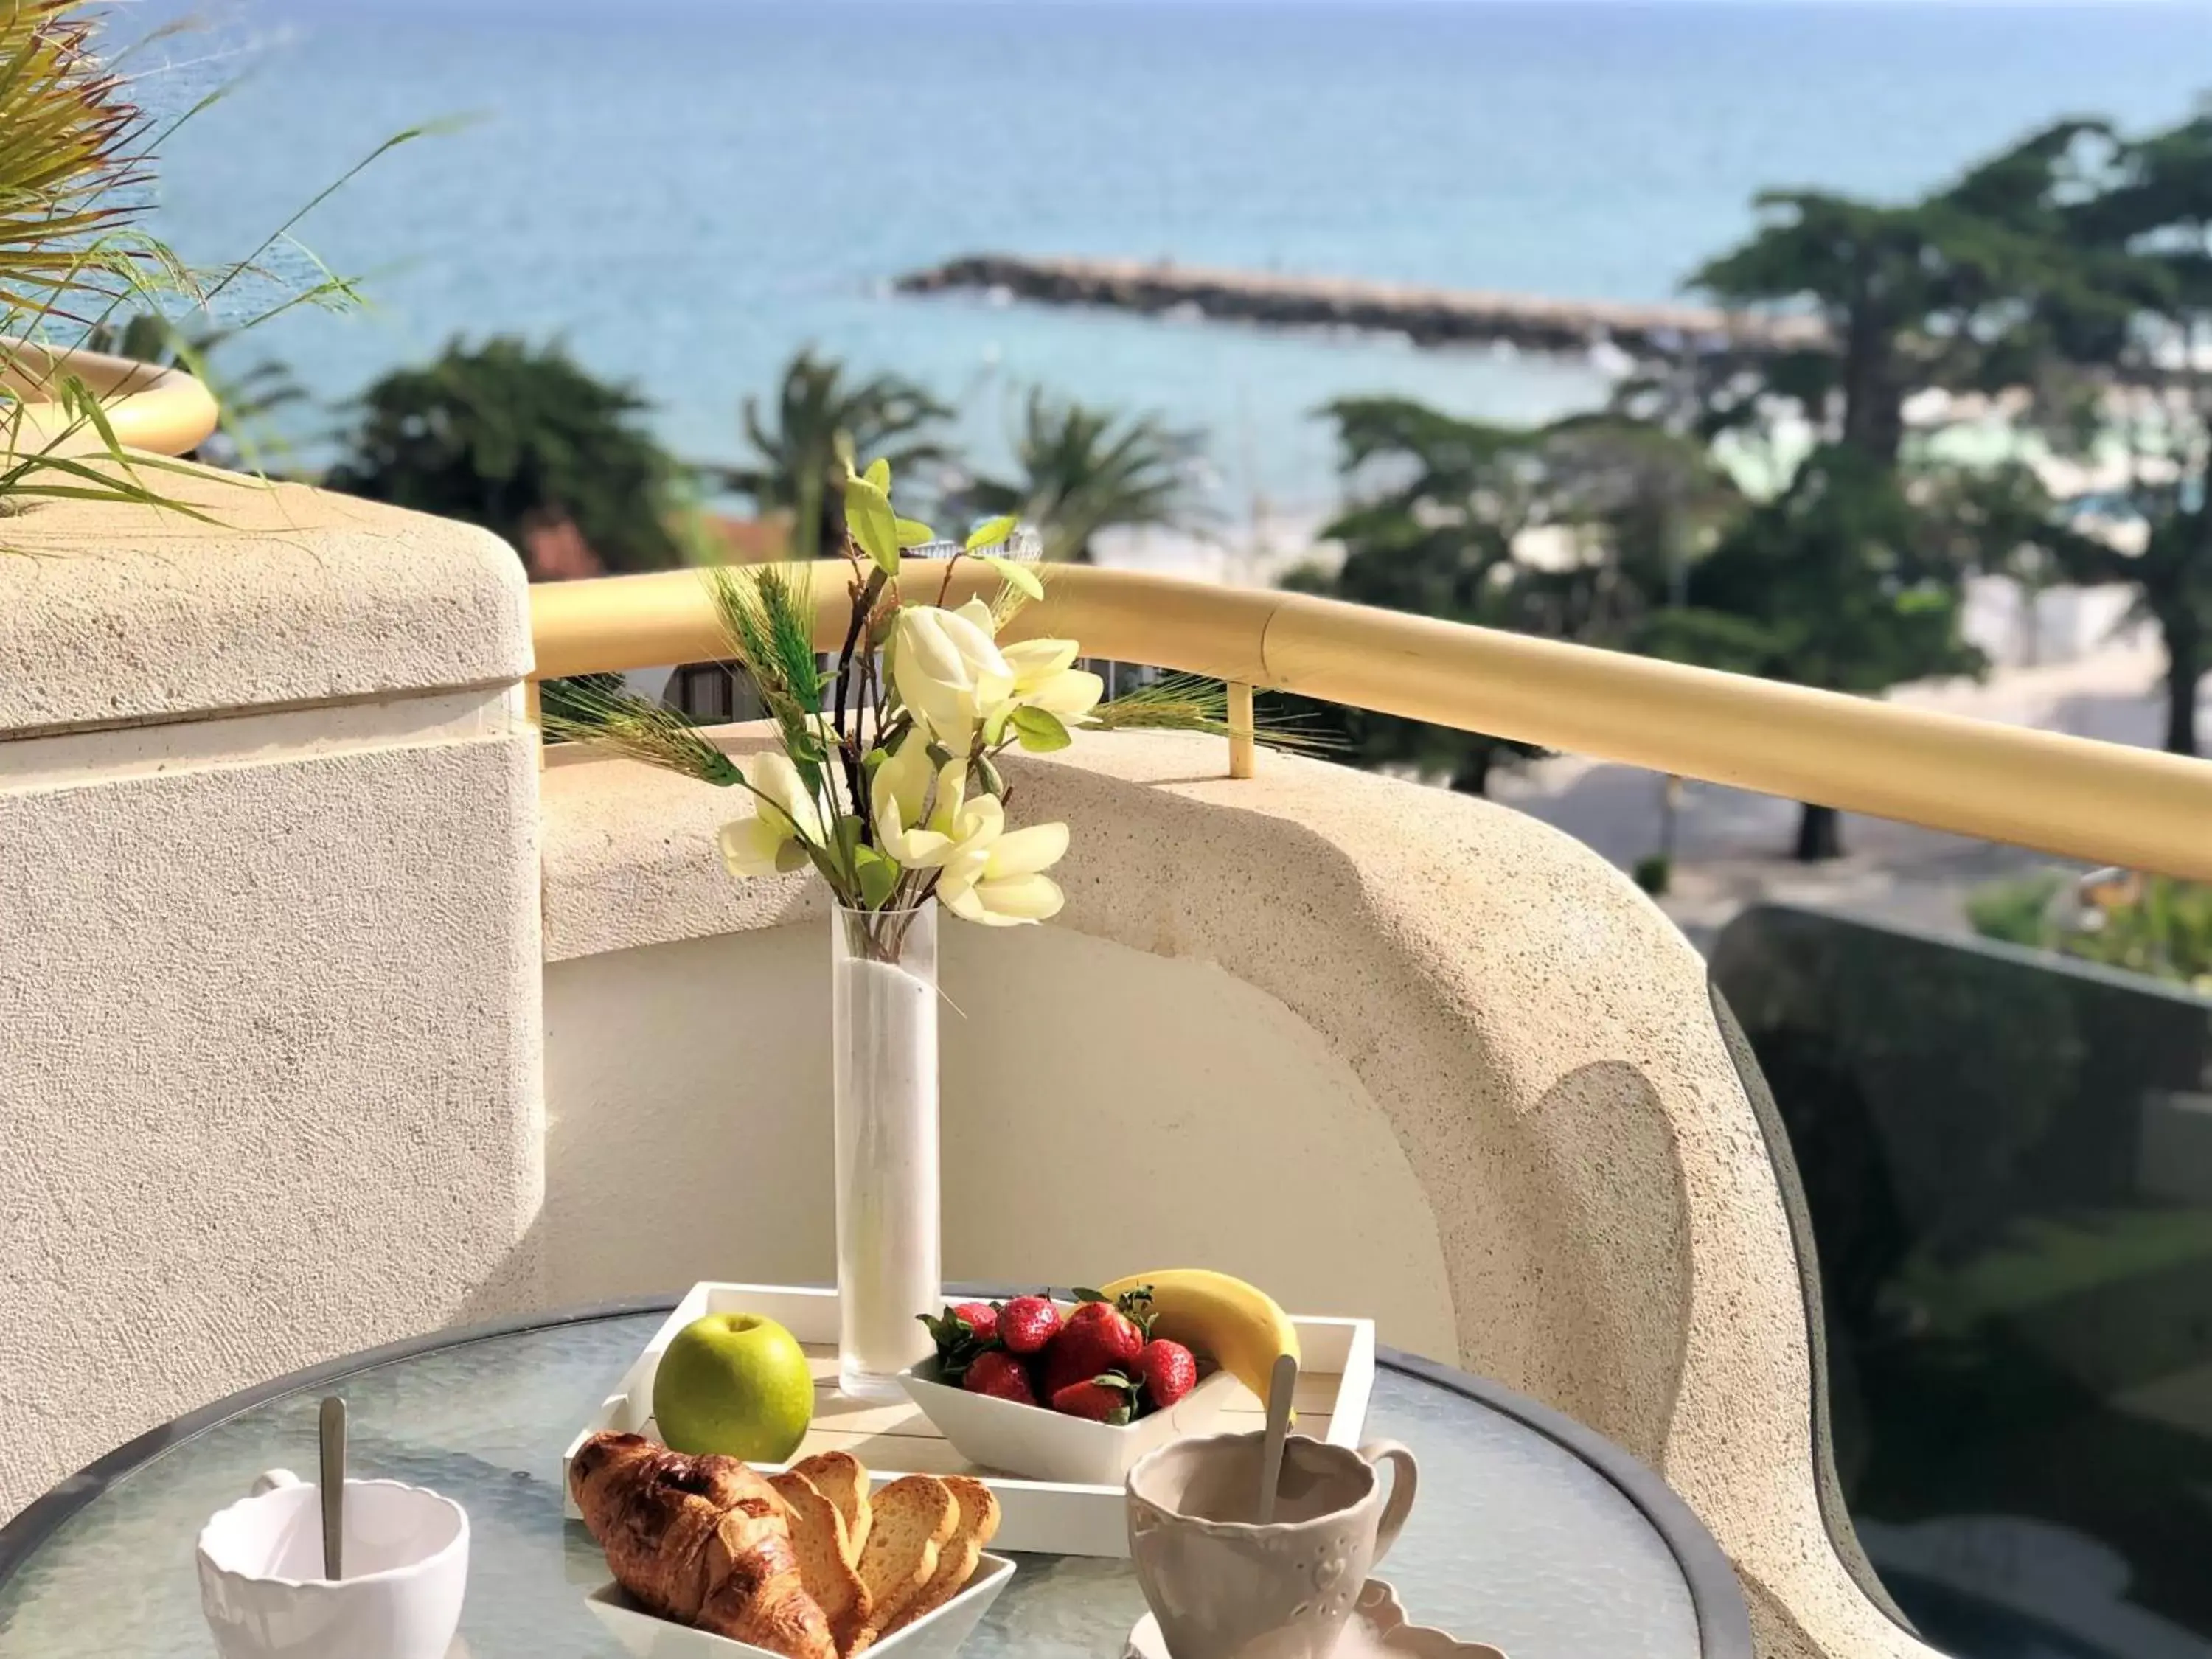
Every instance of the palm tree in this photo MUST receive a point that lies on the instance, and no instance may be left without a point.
(1079, 471)
(821, 417)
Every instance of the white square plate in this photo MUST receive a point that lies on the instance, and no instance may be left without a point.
(936, 1635)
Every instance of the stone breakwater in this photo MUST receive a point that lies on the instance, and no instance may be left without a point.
(1427, 316)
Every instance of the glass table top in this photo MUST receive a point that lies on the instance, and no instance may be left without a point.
(1515, 1540)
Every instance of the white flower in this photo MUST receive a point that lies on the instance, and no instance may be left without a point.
(949, 670)
(784, 817)
(999, 881)
(920, 834)
(899, 793)
(1045, 678)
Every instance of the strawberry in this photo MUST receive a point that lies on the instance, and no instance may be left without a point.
(1102, 1399)
(960, 1333)
(998, 1374)
(1028, 1322)
(1166, 1372)
(1098, 1337)
(982, 1319)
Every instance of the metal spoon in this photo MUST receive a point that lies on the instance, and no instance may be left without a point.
(334, 1471)
(1282, 1383)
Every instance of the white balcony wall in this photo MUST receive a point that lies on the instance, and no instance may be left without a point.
(1104, 1111)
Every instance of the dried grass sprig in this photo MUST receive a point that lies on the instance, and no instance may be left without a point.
(1192, 702)
(767, 613)
(583, 711)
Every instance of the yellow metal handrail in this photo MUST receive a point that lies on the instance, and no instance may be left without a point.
(163, 411)
(2105, 803)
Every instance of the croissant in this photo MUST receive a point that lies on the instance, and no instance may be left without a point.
(699, 1539)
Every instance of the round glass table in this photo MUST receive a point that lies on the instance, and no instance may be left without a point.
(1531, 1533)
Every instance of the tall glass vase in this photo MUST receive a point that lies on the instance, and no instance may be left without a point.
(883, 966)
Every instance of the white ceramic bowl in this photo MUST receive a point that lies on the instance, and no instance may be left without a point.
(935, 1635)
(405, 1556)
(1039, 1444)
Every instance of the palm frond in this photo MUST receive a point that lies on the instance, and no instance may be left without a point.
(1191, 702)
(73, 159)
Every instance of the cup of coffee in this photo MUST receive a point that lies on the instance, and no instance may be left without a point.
(1224, 1586)
(404, 1556)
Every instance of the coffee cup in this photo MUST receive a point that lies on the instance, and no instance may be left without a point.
(1225, 1586)
(404, 1556)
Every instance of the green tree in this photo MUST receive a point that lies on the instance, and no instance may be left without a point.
(1843, 581)
(523, 441)
(1915, 295)
(800, 449)
(1851, 577)
(1579, 530)
(2143, 236)
(1078, 471)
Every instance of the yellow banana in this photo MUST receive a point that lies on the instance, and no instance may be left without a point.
(1236, 1323)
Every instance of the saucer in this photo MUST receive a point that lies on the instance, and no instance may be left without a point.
(1375, 1616)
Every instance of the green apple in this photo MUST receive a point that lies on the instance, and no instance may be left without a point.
(734, 1383)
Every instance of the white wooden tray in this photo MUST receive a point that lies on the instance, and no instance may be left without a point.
(1037, 1517)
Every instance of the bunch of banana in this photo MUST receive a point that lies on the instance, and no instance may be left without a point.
(1210, 1313)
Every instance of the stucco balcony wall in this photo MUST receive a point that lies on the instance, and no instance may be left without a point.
(270, 1080)
(1384, 1048)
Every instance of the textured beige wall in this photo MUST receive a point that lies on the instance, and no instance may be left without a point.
(269, 979)
(1104, 1111)
(283, 596)
(1535, 1036)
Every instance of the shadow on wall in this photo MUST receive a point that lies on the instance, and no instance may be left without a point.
(1637, 1213)
(2008, 1160)
(1093, 1099)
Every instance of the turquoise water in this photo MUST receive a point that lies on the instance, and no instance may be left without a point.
(687, 190)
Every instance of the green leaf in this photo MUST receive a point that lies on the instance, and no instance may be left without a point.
(1040, 731)
(823, 861)
(1018, 574)
(1080, 1294)
(847, 837)
(990, 532)
(993, 781)
(879, 474)
(879, 876)
(868, 514)
(995, 727)
(912, 533)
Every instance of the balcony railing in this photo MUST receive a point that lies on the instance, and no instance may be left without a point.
(2074, 797)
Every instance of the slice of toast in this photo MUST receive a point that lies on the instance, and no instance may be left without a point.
(957, 1556)
(825, 1567)
(839, 1477)
(913, 1518)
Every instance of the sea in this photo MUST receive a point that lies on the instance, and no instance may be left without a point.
(687, 192)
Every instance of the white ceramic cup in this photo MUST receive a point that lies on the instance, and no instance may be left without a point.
(1224, 1586)
(405, 1556)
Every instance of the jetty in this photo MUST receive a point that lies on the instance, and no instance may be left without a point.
(1427, 316)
